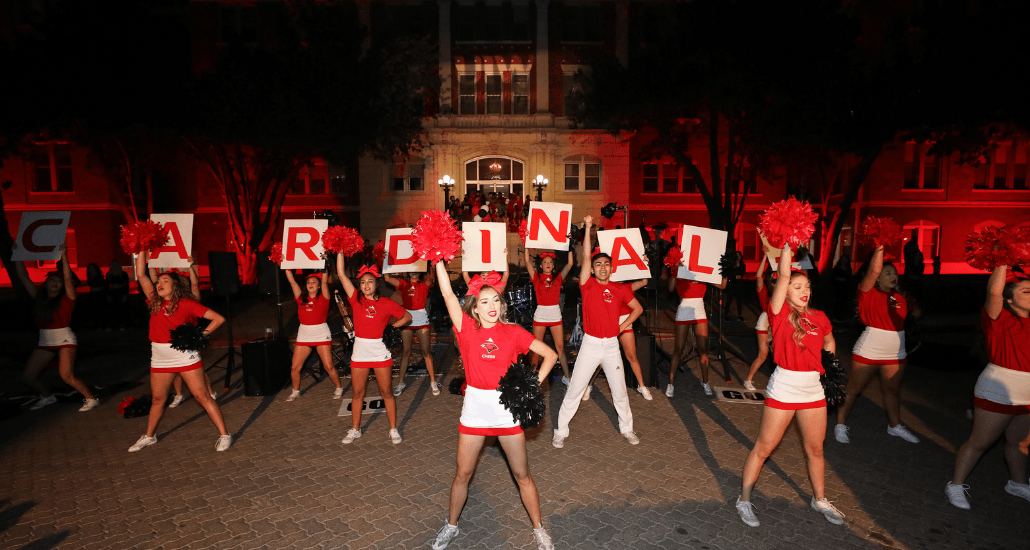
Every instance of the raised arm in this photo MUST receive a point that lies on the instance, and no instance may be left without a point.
(760, 274)
(348, 286)
(394, 281)
(995, 286)
(194, 278)
(672, 279)
(465, 275)
(430, 279)
(504, 277)
(568, 265)
(325, 284)
(875, 267)
(145, 284)
(637, 285)
(453, 305)
(293, 284)
(782, 281)
(66, 272)
(584, 270)
(23, 276)
(529, 263)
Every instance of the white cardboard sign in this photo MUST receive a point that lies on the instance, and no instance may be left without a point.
(774, 257)
(179, 246)
(483, 248)
(302, 244)
(548, 225)
(626, 247)
(400, 255)
(702, 248)
(39, 236)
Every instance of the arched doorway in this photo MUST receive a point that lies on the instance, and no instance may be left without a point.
(495, 174)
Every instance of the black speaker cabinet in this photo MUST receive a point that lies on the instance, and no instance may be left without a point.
(266, 367)
(225, 273)
(266, 274)
(647, 362)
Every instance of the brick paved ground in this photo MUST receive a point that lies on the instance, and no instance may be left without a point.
(66, 480)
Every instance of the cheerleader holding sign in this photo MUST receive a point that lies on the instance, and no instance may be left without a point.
(489, 346)
(312, 311)
(371, 314)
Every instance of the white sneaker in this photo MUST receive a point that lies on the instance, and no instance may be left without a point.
(90, 404)
(144, 441)
(631, 438)
(749, 385)
(395, 436)
(176, 401)
(224, 442)
(399, 388)
(832, 514)
(435, 387)
(669, 390)
(645, 392)
(840, 433)
(43, 402)
(901, 431)
(746, 510)
(707, 388)
(565, 380)
(1021, 490)
(352, 434)
(543, 540)
(586, 393)
(957, 495)
(558, 441)
(444, 537)
(293, 396)
(338, 393)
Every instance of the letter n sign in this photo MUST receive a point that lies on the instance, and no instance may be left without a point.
(549, 225)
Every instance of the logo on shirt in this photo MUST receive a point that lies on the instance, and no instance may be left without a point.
(894, 303)
(490, 348)
(370, 312)
(411, 291)
(547, 281)
(608, 296)
(310, 306)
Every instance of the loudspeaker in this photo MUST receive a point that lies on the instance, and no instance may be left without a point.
(648, 367)
(266, 274)
(266, 367)
(225, 273)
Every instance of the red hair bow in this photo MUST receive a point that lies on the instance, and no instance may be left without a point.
(1014, 276)
(597, 250)
(371, 270)
(315, 275)
(477, 283)
(546, 255)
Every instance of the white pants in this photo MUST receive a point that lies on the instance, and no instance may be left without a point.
(594, 352)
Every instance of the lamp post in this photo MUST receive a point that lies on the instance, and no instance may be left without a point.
(540, 183)
(446, 184)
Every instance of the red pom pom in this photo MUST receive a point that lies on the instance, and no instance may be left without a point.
(140, 236)
(379, 252)
(276, 254)
(789, 222)
(523, 231)
(436, 237)
(994, 246)
(674, 258)
(338, 239)
(125, 403)
(880, 231)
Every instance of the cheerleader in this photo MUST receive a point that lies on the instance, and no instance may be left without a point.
(761, 326)
(547, 316)
(690, 313)
(171, 304)
(489, 346)
(880, 348)
(629, 341)
(195, 290)
(414, 290)
(799, 335)
(55, 301)
(1001, 399)
(371, 314)
(499, 287)
(312, 311)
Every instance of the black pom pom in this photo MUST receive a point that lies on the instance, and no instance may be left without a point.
(520, 394)
(392, 337)
(726, 265)
(834, 380)
(456, 385)
(138, 407)
(189, 337)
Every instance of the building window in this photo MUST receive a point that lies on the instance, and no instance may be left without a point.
(500, 175)
(1005, 168)
(494, 91)
(408, 175)
(238, 24)
(580, 22)
(52, 168)
(520, 94)
(490, 22)
(926, 235)
(582, 173)
(748, 242)
(922, 171)
(320, 178)
(667, 177)
(467, 94)
(570, 90)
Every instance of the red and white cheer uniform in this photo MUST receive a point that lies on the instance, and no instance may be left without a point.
(548, 293)
(312, 313)
(883, 340)
(162, 357)
(795, 382)
(762, 325)
(1004, 386)
(414, 296)
(58, 333)
(370, 319)
(600, 347)
(691, 310)
(487, 353)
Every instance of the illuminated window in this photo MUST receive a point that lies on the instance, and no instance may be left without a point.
(500, 175)
(408, 175)
(922, 171)
(667, 177)
(927, 236)
(467, 94)
(320, 178)
(1003, 168)
(582, 173)
(748, 241)
(52, 168)
(494, 90)
(520, 94)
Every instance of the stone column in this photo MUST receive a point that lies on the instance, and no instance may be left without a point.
(446, 82)
(543, 77)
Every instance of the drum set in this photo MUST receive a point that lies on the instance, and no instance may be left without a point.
(521, 304)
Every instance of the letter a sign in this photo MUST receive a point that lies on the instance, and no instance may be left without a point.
(400, 255)
(483, 248)
(702, 248)
(549, 225)
(302, 244)
(179, 246)
(39, 236)
(626, 248)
